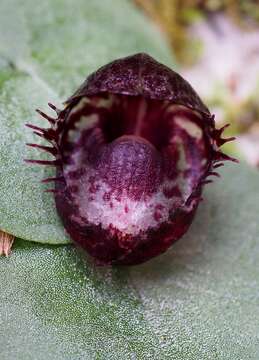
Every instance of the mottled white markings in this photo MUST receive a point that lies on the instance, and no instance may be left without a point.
(189, 126)
(85, 122)
(127, 215)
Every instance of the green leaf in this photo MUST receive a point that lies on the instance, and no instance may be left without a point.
(198, 301)
(47, 48)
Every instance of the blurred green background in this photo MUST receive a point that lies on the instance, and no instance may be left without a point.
(200, 300)
(216, 44)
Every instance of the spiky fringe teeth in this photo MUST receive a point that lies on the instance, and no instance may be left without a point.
(51, 135)
(218, 157)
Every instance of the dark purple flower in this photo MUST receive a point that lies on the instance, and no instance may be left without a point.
(133, 148)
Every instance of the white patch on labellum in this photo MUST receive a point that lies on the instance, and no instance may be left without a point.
(105, 102)
(86, 122)
(124, 214)
(98, 103)
(81, 104)
(189, 126)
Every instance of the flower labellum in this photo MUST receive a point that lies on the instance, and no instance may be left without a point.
(132, 148)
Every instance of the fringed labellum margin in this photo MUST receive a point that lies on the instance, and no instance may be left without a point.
(133, 148)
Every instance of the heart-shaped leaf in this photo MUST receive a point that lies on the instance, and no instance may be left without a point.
(198, 301)
(47, 48)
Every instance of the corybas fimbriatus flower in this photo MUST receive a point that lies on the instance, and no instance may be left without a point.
(132, 148)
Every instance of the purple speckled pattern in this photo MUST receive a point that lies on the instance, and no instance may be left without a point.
(141, 75)
(133, 149)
